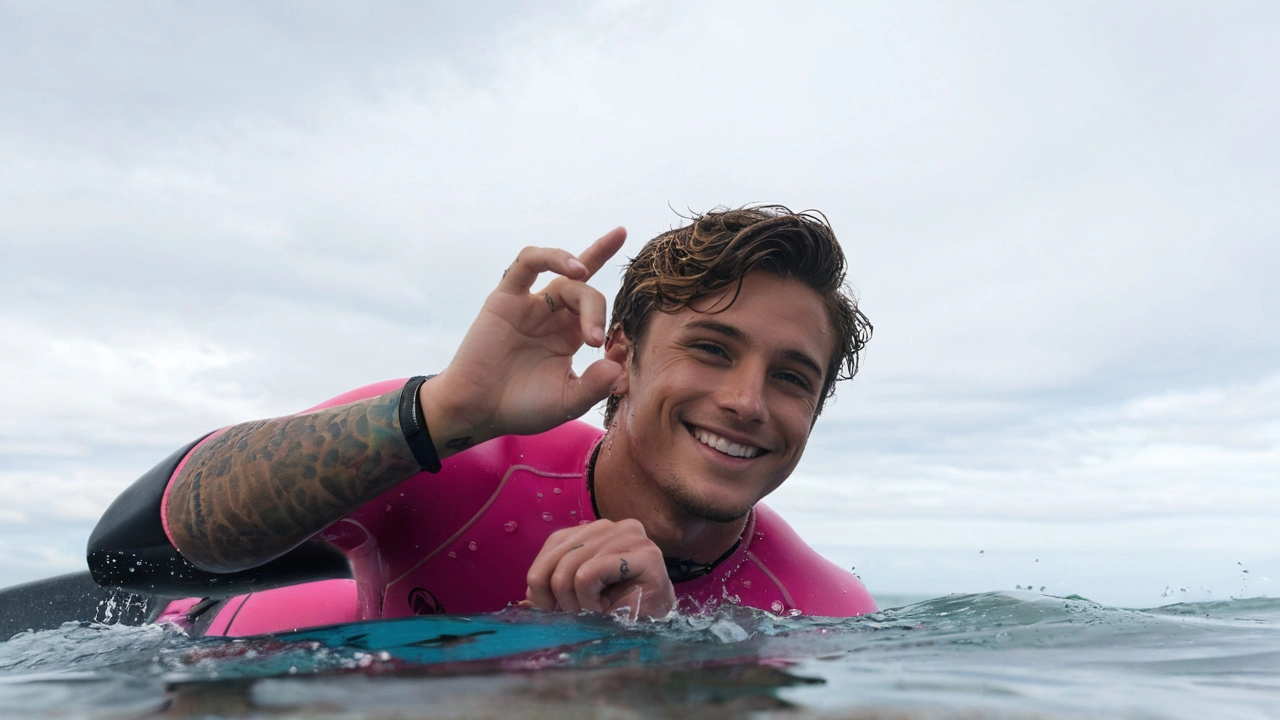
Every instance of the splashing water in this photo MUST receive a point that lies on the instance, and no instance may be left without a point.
(994, 654)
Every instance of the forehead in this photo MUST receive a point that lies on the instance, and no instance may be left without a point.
(771, 310)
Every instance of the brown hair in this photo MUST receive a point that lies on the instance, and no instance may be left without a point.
(718, 249)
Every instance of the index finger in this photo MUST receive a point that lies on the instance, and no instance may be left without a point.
(542, 570)
(602, 249)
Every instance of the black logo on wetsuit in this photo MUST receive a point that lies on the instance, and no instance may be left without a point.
(422, 602)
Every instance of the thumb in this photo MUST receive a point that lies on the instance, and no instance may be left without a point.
(630, 600)
(592, 387)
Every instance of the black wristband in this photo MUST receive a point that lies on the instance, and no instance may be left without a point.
(414, 426)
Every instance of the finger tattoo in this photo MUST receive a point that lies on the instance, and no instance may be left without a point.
(578, 546)
(623, 570)
(550, 303)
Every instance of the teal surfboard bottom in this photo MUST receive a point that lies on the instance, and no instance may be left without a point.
(431, 640)
(511, 640)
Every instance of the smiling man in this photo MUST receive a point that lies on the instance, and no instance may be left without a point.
(475, 489)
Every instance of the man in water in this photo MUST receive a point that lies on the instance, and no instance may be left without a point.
(471, 490)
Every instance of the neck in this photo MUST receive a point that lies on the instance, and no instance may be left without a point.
(622, 489)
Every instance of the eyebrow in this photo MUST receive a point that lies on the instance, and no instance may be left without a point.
(737, 335)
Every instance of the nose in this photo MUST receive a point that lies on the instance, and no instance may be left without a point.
(743, 393)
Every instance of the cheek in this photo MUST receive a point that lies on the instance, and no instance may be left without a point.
(642, 409)
(799, 444)
(797, 424)
(663, 382)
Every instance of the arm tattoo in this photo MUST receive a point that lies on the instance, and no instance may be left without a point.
(623, 570)
(262, 488)
(459, 444)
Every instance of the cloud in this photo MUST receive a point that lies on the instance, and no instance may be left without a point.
(1059, 217)
(1212, 451)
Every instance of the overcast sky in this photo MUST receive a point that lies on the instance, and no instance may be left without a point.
(1060, 217)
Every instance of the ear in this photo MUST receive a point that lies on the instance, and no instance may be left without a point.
(618, 348)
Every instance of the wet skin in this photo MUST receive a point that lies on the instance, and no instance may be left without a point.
(716, 412)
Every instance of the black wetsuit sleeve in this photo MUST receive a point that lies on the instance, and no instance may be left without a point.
(129, 549)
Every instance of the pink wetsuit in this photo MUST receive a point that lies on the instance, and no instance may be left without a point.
(462, 540)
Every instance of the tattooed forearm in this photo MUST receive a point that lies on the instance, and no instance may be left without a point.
(262, 488)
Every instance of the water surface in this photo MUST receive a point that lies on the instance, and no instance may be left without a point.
(985, 655)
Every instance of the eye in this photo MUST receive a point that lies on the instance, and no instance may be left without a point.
(709, 348)
(797, 380)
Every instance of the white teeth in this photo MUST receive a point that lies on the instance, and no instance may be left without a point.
(724, 446)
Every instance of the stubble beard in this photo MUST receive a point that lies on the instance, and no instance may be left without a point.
(686, 501)
(675, 488)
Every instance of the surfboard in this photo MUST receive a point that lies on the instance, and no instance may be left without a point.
(450, 639)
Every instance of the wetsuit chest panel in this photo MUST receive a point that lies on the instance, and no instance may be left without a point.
(482, 567)
(462, 541)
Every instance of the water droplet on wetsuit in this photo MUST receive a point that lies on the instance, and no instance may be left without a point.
(453, 554)
(776, 606)
(556, 490)
(510, 526)
(546, 516)
(472, 546)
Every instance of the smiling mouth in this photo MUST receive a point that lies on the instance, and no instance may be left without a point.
(723, 445)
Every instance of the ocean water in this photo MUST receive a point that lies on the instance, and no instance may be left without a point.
(999, 655)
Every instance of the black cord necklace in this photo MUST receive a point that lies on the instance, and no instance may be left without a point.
(678, 569)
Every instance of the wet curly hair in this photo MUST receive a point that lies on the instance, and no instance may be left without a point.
(718, 249)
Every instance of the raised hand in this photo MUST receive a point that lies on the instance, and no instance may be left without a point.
(602, 567)
(513, 373)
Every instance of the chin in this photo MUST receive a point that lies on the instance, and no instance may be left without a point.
(704, 509)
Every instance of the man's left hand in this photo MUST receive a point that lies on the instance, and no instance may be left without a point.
(602, 566)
